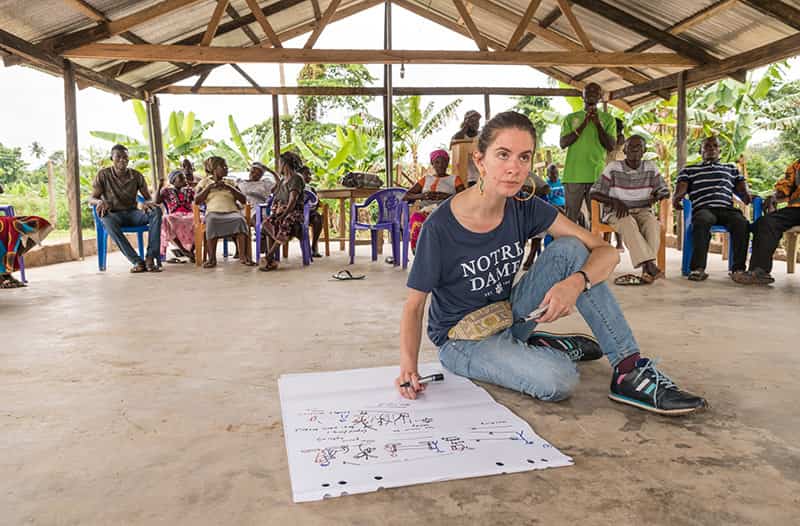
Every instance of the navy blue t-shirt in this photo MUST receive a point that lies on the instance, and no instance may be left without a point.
(465, 270)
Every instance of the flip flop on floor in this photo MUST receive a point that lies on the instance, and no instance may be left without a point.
(138, 268)
(9, 282)
(631, 280)
(697, 275)
(346, 275)
(175, 260)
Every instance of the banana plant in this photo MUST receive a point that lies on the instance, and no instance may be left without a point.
(413, 124)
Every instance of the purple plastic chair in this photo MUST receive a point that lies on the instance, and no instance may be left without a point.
(393, 215)
(310, 200)
(9, 211)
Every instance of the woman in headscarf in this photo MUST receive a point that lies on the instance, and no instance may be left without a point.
(286, 215)
(431, 190)
(223, 218)
(18, 234)
(177, 224)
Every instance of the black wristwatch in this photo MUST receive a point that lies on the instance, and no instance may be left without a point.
(587, 284)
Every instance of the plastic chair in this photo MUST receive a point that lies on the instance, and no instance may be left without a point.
(393, 215)
(310, 200)
(688, 243)
(9, 211)
(599, 229)
(199, 221)
(102, 237)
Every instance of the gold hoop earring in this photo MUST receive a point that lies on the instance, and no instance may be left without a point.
(533, 190)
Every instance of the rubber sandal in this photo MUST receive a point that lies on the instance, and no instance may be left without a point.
(154, 268)
(138, 268)
(209, 264)
(627, 280)
(346, 275)
(9, 282)
(175, 261)
(697, 275)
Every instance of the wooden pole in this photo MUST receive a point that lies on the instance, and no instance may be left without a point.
(73, 175)
(151, 143)
(276, 130)
(680, 141)
(51, 191)
(156, 142)
(387, 98)
(487, 108)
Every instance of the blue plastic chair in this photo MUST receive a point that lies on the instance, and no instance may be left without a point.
(393, 215)
(688, 243)
(9, 211)
(310, 200)
(102, 237)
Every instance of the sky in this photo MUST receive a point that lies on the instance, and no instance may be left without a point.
(33, 108)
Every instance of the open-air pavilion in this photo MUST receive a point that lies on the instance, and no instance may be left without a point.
(116, 408)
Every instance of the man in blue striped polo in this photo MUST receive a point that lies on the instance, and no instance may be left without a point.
(710, 186)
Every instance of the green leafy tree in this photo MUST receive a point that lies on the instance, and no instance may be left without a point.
(540, 111)
(413, 124)
(12, 166)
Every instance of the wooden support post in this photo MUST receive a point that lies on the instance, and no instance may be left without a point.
(73, 174)
(387, 98)
(680, 141)
(487, 108)
(276, 131)
(51, 191)
(156, 142)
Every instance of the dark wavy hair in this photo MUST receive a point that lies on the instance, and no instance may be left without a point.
(292, 160)
(504, 121)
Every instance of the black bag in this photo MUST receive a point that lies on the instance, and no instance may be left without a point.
(361, 180)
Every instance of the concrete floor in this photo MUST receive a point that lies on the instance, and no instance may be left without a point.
(116, 407)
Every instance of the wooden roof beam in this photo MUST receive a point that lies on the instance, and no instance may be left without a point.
(779, 10)
(317, 10)
(637, 25)
(177, 76)
(684, 25)
(234, 14)
(452, 25)
(576, 26)
(472, 28)
(213, 24)
(369, 91)
(115, 27)
(520, 31)
(227, 27)
(326, 18)
(754, 58)
(248, 78)
(224, 55)
(266, 27)
(31, 53)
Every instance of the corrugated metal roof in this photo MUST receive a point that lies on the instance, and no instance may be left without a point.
(732, 31)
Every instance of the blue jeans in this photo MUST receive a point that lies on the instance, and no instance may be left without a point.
(505, 359)
(115, 221)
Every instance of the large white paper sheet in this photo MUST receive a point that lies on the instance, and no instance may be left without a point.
(351, 432)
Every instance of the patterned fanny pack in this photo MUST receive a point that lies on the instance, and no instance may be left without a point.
(484, 322)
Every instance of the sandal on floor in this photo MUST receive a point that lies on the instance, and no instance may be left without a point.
(9, 282)
(697, 275)
(175, 260)
(209, 264)
(751, 278)
(270, 266)
(138, 268)
(346, 275)
(154, 268)
(247, 263)
(627, 280)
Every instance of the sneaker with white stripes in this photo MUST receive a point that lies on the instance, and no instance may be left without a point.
(648, 388)
(579, 347)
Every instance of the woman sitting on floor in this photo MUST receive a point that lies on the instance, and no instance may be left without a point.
(468, 255)
(18, 234)
(286, 215)
(177, 225)
(223, 217)
(430, 191)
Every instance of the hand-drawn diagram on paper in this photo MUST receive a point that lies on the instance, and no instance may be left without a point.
(351, 432)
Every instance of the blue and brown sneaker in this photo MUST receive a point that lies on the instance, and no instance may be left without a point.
(648, 388)
(579, 347)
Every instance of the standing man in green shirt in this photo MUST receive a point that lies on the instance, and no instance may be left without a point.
(588, 135)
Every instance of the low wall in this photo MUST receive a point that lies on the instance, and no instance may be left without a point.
(50, 254)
